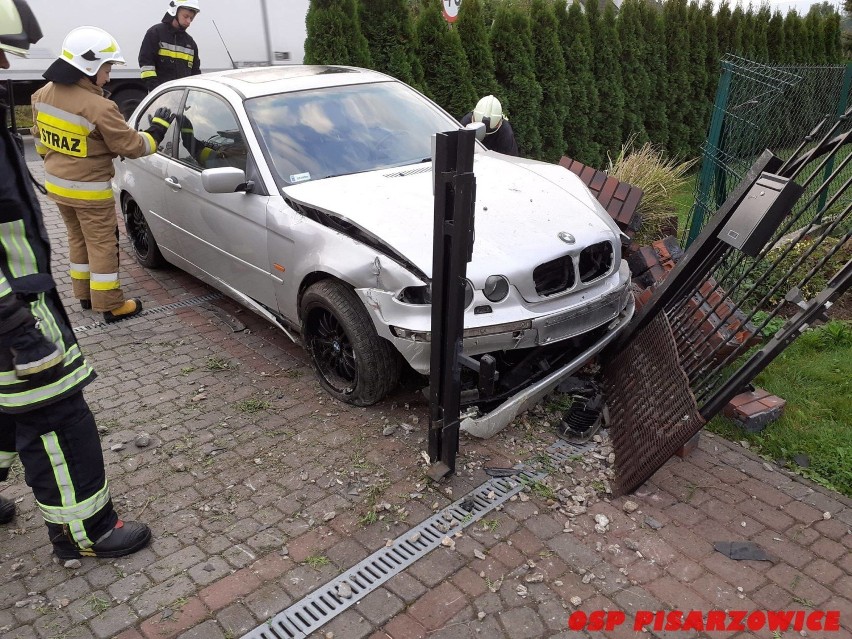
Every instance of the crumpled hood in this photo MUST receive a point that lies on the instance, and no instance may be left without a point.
(521, 207)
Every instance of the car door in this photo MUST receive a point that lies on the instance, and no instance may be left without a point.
(143, 177)
(224, 233)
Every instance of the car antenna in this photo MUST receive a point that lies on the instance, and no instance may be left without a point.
(233, 64)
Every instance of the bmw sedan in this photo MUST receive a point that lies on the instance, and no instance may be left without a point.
(306, 194)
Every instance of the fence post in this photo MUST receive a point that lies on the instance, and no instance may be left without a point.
(708, 163)
(842, 105)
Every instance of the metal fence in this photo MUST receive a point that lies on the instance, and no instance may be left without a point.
(762, 107)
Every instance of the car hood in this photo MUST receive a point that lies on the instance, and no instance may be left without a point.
(522, 206)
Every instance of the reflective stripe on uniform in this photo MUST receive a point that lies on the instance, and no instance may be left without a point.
(40, 148)
(150, 142)
(148, 72)
(104, 281)
(79, 271)
(8, 378)
(6, 459)
(89, 191)
(11, 400)
(173, 51)
(19, 254)
(5, 289)
(61, 131)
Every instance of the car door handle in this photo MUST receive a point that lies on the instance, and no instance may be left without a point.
(172, 182)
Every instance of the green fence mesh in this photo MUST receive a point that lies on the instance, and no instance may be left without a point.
(759, 107)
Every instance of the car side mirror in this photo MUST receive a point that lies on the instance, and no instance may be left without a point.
(479, 127)
(226, 179)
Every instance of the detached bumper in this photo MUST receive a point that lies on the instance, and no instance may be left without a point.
(496, 420)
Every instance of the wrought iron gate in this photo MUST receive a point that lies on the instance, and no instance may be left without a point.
(777, 247)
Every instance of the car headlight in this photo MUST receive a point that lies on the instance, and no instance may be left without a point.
(416, 294)
(496, 288)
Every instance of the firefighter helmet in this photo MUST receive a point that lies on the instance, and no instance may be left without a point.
(489, 111)
(89, 48)
(174, 5)
(18, 27)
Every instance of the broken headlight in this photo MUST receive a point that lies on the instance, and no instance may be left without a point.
(416, 294)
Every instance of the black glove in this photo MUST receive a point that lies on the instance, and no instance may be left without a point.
(35, 358)
(160, 123)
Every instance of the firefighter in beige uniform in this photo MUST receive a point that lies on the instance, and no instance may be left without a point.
(79, 131)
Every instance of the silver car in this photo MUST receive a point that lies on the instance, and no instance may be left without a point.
(306, 194)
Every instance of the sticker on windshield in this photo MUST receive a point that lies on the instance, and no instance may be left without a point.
(300, 177)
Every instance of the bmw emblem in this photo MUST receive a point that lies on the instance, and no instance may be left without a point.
(566, 237)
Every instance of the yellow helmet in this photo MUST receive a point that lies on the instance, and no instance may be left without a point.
(89, 48)
(18, 27)
(489, 111)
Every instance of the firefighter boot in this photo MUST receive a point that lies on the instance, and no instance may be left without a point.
(130, 308)
(86, 305)
(7, 510)
(126, 538)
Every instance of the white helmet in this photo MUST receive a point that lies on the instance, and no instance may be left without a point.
(18, 27)
(174, 5)
(89, 48)
(489, 111)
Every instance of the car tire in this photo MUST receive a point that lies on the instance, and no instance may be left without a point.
(352, 362)
(145, 247)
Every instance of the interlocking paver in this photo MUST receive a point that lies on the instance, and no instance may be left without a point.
(225, 491)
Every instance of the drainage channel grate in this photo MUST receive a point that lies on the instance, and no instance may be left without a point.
(325, 603)
(195, 301)
(318, 608)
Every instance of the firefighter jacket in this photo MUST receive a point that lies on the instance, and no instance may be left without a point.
(79, 131)
(167, 54)
(27, 287)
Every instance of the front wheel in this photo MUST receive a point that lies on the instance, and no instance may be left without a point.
(144, 245)
(352, 362)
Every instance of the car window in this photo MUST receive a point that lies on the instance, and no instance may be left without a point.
(171, 100)
(333, 131)
(209, 133)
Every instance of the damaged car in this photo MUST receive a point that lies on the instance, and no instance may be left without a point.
(306, 193)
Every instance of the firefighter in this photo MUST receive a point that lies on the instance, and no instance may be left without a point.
(43, 416)
(79, 131)
(499, 135)
(168, 52)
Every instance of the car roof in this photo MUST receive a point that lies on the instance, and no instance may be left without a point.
(255, 81)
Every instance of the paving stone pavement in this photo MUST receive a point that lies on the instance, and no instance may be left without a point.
(259, 489)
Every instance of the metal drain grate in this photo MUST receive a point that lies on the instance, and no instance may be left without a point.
(195, 301)
(562, 451)
(322, 605)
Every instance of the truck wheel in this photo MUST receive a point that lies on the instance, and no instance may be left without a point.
(128, 100)
(144, 245)
(352, 362)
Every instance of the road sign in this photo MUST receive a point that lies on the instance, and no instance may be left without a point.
(451, 9)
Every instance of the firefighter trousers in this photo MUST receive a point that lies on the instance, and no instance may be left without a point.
(61, 453)
(93, 247)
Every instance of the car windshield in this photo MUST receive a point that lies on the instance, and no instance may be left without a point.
(315, 134)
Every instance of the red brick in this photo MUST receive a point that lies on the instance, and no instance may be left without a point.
(677, 594)
(228, 589)
(780, 546)
(404, 627)
(689, 447)
(823, 571)
(803, 512)
(436, 606)
(772, 597)
(827, 549)
(527, 543)
(770, 516)
(832, 528)
(507, 555)
(765, 493)
(271, 567)
(469, 582)
(192, 613)
(798, 584)
(130, 633)
(307, 545)
(734, 572)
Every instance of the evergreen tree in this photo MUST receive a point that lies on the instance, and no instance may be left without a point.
(832, 38)
(389, 29)
(446, 72)
(776, 50)
(334, 34)
(711, 52)
(607, 70)
(761, 33)
(656, 111)
(520, 94)
(699, 114)
(795, 39)
(724, 29)
(582, 94)
(550, 74)
(473, 31)
(677, 63)
(748, 34)
(737, 25)
(634, 72)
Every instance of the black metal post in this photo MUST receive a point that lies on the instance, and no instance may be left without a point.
(455, 194)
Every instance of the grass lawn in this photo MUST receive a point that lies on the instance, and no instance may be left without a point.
(814, 375)
(683, 199)
(24, 116)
